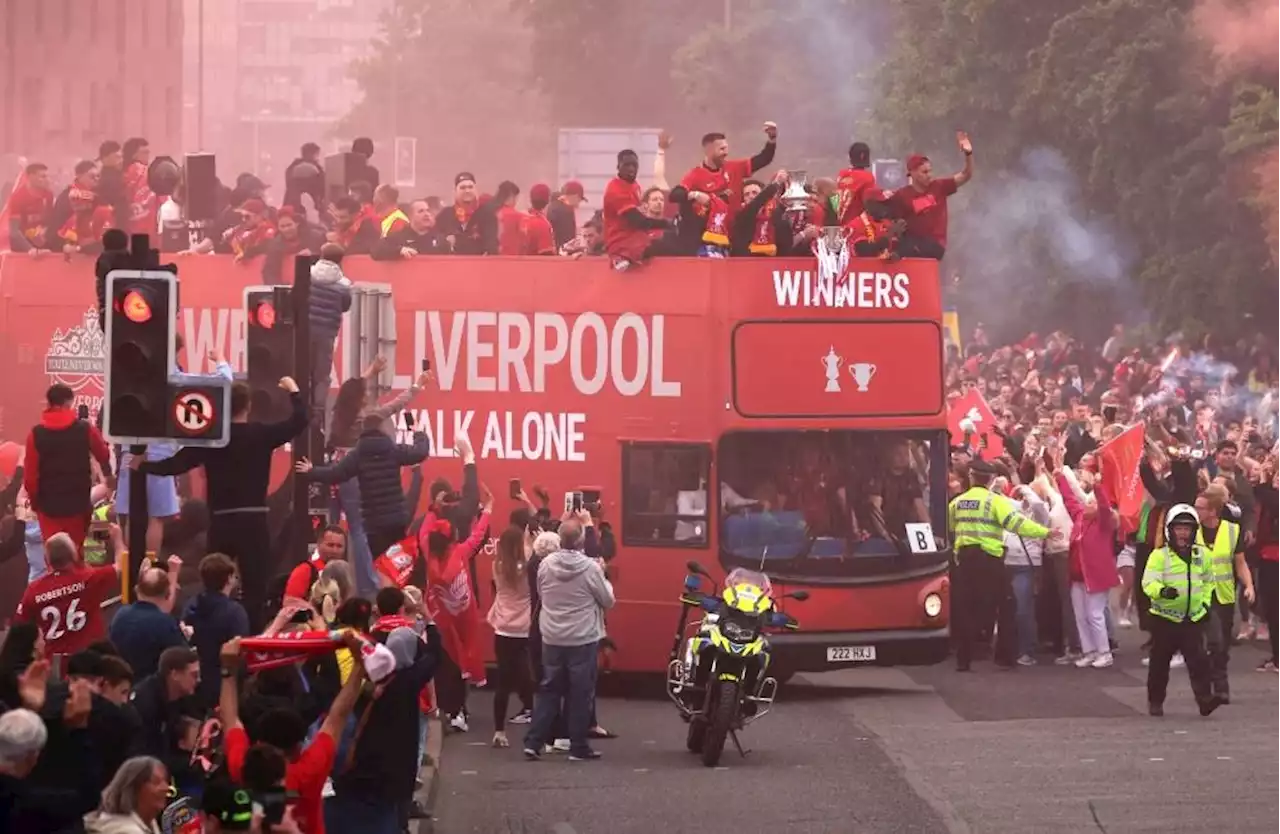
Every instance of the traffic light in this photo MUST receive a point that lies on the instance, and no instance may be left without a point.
(140, 353)
(269, 338)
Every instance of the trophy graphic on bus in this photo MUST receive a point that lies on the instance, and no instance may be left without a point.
(831, 363)
(862, 372)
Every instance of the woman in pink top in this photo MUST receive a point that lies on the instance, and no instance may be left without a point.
(1093, 564)
(509, 616)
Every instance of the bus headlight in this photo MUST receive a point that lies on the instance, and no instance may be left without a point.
(932, 605)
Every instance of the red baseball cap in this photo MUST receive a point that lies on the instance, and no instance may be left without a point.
(916, 160)
(540, 193)
(574, 188)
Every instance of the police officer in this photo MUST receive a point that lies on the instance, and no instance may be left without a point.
(1178, 580)
(1224, 548)
(980, 588)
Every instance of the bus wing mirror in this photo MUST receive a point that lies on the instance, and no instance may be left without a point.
(798, 596)
(693, 567)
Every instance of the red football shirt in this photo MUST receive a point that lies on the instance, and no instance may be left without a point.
(305, 775)
(67, 606)
(621, 238)
(538, 236)
(302, 577)
(925, 211)
(510, 231)
(850, 185)
(730, 176)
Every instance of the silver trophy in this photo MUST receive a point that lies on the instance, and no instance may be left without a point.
(795, 198)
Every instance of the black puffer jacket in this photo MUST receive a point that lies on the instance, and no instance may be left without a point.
(375, 461)
(330, 298)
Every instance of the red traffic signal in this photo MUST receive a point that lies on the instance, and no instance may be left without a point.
(265, 315)
(135, 307)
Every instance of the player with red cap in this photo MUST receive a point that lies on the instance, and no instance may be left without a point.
(923, 203)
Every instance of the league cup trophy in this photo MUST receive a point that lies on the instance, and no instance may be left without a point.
(862, 372)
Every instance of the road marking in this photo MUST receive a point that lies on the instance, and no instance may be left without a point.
(1179, 732)
(1087, 761)
(722, 768)
(477, 744)
(1155, 760)
(469, 773)
(649, 741)
(640, 770)
(1224, 758)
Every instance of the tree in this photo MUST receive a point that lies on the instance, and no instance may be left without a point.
(458, 77)
(1104, 133)
(727, 66)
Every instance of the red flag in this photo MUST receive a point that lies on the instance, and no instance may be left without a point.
(1121, 455)
(973, 409)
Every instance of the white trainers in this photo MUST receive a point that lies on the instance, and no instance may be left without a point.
(1026, 660)
(1102, 661)
(1177, 662)
(1146, 661)
(1086, 660)
(459, 722)
(1067, 659)
(561, 745)
(1125, 622)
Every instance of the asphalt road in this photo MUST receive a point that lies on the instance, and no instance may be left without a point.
(1046, 749)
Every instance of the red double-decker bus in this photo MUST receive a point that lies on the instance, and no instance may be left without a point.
(739, 412)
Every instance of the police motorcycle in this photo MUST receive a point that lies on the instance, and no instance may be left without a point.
(717, 678)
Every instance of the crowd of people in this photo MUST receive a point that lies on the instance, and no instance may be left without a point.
(262, 696)
(253, 695)
(1075, 568)
(717, 209)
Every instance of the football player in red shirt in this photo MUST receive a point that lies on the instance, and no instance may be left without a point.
(714, 188)
(538, 236)
(66, 603)
(626, 228)
(923, 203)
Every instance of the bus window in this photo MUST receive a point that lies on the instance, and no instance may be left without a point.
(832, 503)
(665, 494)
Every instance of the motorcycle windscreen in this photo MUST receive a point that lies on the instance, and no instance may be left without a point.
(837, 368)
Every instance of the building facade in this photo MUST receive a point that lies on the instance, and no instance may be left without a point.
(277, 73)
(76, 72)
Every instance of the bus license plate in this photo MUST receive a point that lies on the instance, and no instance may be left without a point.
(850, 654)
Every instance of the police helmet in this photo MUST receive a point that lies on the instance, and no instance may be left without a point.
(1180, 514)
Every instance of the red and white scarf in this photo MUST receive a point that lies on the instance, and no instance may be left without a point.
(287, 649)
(762, 240)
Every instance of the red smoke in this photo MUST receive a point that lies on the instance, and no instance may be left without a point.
(1242, 33)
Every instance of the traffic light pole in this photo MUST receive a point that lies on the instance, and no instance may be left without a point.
(144, 257)
(302, 445)
(138, 522)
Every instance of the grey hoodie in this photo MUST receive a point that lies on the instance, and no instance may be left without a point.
(330, 298)
(575, 596)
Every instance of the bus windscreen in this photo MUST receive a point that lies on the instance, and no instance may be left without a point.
(832, 504)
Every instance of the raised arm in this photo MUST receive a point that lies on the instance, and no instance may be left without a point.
(415, 454)
(282, 432)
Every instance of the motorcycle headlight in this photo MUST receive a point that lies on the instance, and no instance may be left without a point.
(738, 631)
(932, 605)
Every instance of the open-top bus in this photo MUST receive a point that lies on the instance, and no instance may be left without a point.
(739, 412)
